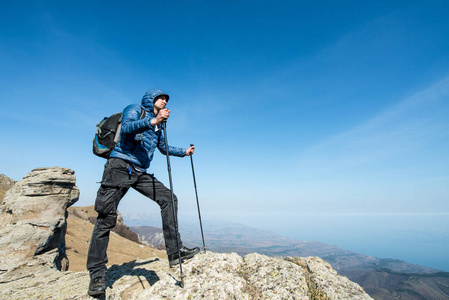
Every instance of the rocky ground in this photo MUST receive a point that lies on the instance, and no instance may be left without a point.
(206, 276)
(36, 251)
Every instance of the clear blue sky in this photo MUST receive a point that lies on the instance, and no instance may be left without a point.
(296, 107)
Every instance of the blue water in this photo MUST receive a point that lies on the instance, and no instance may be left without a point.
(417, 239)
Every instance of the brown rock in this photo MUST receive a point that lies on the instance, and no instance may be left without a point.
(5, 184)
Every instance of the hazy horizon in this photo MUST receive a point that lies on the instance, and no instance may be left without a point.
(404, 237)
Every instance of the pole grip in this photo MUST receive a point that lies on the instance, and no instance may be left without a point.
(191, 145)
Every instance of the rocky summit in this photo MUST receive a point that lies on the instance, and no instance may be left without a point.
(34, 265)
(229, 276)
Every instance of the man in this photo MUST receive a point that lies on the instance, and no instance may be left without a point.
(126, 167)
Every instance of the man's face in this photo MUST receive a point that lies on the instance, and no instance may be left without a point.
(160, 102)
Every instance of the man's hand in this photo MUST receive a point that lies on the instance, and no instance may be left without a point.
(190, 150)
(161, 117)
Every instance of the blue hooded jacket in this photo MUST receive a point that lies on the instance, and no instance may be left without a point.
(139, 138)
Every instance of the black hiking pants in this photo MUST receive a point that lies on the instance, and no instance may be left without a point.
(117, 179)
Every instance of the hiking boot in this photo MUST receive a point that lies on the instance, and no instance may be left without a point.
(186, 253)
(97, 286)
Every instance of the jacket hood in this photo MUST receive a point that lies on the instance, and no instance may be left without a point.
(148, 98)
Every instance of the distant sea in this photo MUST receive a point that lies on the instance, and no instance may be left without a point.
(416, 239)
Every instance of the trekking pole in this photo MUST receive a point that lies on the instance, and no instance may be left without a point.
(175, 218)
(197, 202)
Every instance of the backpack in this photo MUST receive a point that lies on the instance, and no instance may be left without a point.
(108, 134)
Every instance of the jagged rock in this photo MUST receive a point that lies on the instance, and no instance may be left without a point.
(150, 235)
(33, 219)
(271, 278)
(323, 279)
(228, 276)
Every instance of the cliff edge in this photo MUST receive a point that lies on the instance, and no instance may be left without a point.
(34, 264)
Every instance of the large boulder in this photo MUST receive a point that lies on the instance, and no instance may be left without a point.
(33, 218)
(255, 276)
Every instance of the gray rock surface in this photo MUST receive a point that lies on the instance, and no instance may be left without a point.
(207, 276)
(325, 280)
(33, 218)
(229, 276)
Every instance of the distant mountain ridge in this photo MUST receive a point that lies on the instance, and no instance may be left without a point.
(243, 240)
